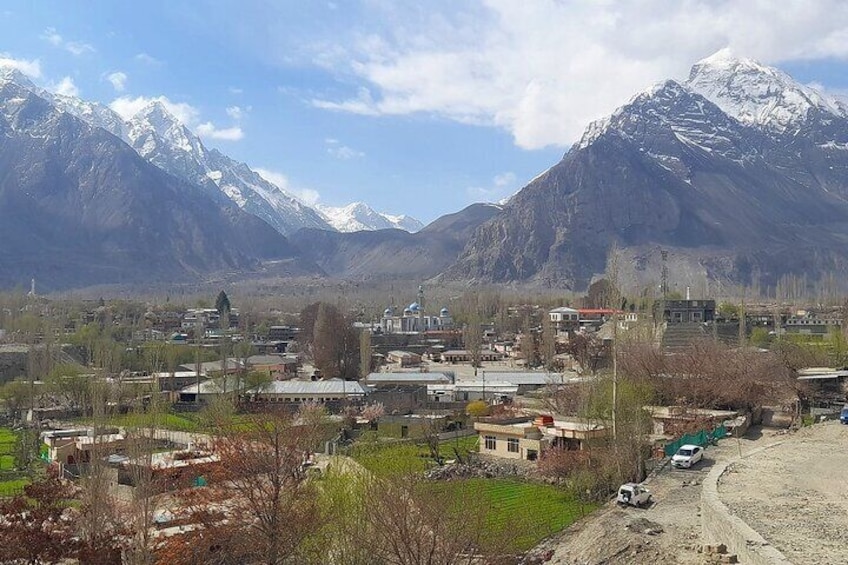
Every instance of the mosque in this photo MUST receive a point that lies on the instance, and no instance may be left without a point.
(414, 318)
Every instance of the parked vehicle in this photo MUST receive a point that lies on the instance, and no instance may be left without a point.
(633, 494)
(843, 416)
(687, 456)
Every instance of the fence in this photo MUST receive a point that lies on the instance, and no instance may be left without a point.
(701, 438)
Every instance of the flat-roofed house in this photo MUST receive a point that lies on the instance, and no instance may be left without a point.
(522, 438)
(404, 358)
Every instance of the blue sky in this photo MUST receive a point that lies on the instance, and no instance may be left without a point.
(417, 108)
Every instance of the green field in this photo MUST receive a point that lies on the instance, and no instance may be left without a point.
(521, 513)
(393, 458)
(7, 449)
(13, 486)
(7, 463)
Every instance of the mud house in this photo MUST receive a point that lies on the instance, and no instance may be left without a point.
(403, 358)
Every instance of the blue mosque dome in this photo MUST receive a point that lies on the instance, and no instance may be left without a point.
(414, 307)
(387, 312)
(444, 313)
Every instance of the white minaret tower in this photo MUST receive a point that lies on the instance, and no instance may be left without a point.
(31, 288)
(421, 308)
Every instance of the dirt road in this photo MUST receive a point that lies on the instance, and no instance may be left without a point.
(668, 531)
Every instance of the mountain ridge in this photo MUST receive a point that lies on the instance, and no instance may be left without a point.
(671, 169)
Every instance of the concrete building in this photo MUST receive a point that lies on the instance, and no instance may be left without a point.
(564, 319)
(525, 439)
(77, 447)
(331, 390)
(684, 311)
(391, 380)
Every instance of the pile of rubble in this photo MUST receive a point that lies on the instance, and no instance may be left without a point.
(476, 468)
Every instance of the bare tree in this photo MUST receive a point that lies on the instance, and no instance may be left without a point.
(259, 506)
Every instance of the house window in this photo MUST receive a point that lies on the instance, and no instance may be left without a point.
(489, 442)
(512, 445)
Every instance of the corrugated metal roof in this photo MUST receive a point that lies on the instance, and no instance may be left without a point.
(527, 378)
(407, 377)
(308, 388)
(213, 386)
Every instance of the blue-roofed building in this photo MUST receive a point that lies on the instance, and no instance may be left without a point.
(415, 318)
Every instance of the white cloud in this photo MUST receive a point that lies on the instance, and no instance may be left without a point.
(339, 151)
(307, 196)
(544, 70)
(502, 186)
(505, 179)
(66, 87)
(30, 68)
(235, 90)
(208, 130)
(127, 107)
(118, 80)
(147, 59)
(51, 36)
(77, 48)
(237, 112)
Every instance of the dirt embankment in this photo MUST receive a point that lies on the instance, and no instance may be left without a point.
(795, 494)
(669, 531)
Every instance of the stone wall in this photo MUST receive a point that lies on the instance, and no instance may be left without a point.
(719, 526)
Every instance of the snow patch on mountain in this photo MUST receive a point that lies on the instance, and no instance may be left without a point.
(358, 216)
(756, 94)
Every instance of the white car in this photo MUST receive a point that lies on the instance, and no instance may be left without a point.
(632, 494)
(687, 456)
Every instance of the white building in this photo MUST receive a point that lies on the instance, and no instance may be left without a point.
(414, 318)
(564, 319)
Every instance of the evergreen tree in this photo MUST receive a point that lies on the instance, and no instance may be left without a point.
(222, 303)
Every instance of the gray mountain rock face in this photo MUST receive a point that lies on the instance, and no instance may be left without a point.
(78, 207)
(740, 170)
(393, 253)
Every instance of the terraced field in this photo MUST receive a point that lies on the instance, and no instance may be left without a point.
(10, 483)
(522, 513)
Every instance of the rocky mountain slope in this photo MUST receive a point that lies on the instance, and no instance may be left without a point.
(393, 252)
(79, 207)
(740, 173)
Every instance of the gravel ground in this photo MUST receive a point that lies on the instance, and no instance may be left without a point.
(796, 494)
(619, 536)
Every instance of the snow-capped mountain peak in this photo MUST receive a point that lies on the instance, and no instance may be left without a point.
(358, 216)
(11, 74)
(155, 117)
(756, 94)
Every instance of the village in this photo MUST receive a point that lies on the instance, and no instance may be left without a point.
(510, 432)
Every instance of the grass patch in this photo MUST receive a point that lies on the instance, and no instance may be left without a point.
(13, 487)
(394, 458)
(517, 513)
(8, 438)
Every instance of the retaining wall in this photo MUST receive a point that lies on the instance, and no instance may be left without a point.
(718, 525)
